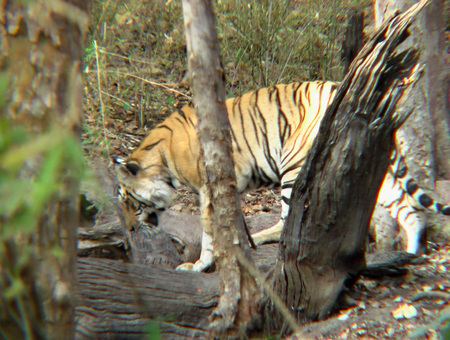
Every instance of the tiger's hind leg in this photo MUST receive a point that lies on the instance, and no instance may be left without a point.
(411, 220)
(273, 233)
(384, 230)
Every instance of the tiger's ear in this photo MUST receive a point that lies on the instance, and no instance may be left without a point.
(127, 168)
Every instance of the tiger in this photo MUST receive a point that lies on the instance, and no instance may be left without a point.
(272, 130)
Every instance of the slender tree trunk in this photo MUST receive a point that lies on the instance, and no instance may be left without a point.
(354, 34)
(427, 131)
(42, 45)
(237, 311)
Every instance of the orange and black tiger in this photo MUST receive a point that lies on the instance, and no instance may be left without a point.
(272, 130)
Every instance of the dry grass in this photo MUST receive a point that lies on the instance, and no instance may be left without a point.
(135, 61)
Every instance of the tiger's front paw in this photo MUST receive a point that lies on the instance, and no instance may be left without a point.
(198, 266)
(185, 266)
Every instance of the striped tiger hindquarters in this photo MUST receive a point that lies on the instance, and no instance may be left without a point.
(272, 130)
(405, 201)
(399, 194)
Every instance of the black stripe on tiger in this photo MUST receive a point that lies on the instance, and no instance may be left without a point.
(282, 119)
(151, 146)
(425, 200)
(163, 126)
(411, 187)
(285, 200)
(401, 171)
(287, 185)
(300, 104)
(396, 201)
(255, 161)
(180, 121)
(233, 137)
(255, 128)
(181, 112)
(295, 96)
(273, 92)
(294, 166)
(266, 150)
(333, 87)
(307, 94)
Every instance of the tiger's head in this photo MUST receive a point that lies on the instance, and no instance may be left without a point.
(149, 176)
(144, 190)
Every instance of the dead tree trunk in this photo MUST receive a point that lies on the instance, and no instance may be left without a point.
(221, 213)
(323, 242)
(41, 51)
(427, 131)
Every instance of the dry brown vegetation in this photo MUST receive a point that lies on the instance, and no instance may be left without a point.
(135, 58)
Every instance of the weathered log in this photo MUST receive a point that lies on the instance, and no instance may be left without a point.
(177, 239)
(124, 300)
(118, 300)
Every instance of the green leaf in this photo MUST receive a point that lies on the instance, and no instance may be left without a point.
(171, 101)
(16, 289)
(23, 223)
(47, 184)
(13, 194)
(239, 55)
(153, 331)
(75, 157)
(11, 135)
(16, 156)
(4, 85)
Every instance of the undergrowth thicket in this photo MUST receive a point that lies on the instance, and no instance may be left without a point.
(136, 58)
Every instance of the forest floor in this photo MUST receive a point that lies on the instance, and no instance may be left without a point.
(409, 306)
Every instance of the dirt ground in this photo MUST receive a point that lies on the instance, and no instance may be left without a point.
(409, 306)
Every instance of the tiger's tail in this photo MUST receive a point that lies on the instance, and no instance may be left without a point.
(400, 173)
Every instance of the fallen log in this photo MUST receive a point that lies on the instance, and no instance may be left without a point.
(117, 300)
